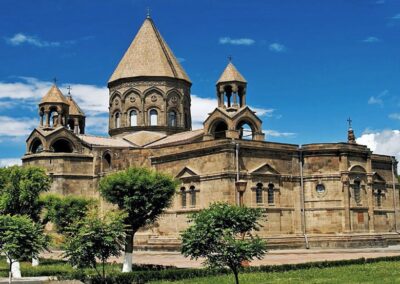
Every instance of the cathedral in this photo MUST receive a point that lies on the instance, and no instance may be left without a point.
(315, 195)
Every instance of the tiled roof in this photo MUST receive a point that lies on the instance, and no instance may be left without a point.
(148, 55)
(179, 138)
(231, 74)
(104, 141)
(54, 95)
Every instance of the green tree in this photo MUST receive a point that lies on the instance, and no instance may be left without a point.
(20, 238)
(64, 211)
(223, 235)
(94, 238)
(143, 194)
(20, 188)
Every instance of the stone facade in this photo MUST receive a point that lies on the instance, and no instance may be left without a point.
(325, 195)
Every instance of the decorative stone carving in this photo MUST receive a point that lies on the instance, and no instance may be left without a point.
(153, 98)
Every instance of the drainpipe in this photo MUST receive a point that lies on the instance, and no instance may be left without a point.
(237, 161)
(394, 195)
(302, 197)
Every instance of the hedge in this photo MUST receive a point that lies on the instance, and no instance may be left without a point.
(181, 274)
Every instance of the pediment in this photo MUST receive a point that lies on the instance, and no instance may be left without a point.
(265, 169)
(246, 111)
(187, 172)
(377, 178)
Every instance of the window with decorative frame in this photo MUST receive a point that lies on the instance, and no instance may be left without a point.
(357, 191)
(271, 193)
(193, 196)
(259, 193)
(183, 197)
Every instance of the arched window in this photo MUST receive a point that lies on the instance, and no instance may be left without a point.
(53, 118)
(245, 130)
(220, 130)
(153, 117)
(193, 196)
(357, 191)
(379, 198)
(259, 193)
(36, 146)
(106, 161)
(117, 120)
(61, 146)
(271, 197)
(172, 121)
(183, 197)
(133, 118)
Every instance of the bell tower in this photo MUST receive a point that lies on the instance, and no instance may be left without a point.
(232, 119)
(53, 109)
(149, 90)
(231, 89)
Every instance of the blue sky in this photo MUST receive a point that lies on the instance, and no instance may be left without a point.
(309, 64)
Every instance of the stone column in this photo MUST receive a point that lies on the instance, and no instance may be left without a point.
(370, 199)
(47, 114)
(346, 203)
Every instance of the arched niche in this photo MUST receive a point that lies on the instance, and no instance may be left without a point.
(62, 146)
(246, 129)
(218, 129)
(36, 146)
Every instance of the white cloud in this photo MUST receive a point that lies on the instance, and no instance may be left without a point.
(395, 116)
(380, 2)
(14, 127)
(236, 41)
(386, 142)
(181, 59)
(201, 107)
(377, 100)
(10, 162)
(396, 17)
(275, 133)
(21, 38)
(371, 39)
(277, 47)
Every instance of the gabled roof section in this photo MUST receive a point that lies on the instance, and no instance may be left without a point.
(265, 169)
(104, 141)
(186, 172)
(178, 138)
(149, 55)
(74, 109)
(231, 74)
(141, 138)
(54, 95)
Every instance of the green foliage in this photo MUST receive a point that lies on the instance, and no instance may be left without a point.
(20, 238)
(222, 234)
(63, 211)
(141, 192)
(96, 237)
(20, 188)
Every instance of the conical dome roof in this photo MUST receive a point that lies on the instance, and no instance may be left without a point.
(54, 95)
(74, 109)
(231, 74)
(148, 55)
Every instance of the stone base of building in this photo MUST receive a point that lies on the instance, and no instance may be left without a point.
(366, 240)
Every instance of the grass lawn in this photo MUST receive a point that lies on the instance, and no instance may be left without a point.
(380, 272)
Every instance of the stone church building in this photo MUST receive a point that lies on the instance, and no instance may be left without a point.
(322, 194)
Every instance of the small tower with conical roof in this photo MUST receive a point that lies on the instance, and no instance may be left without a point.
(232, 119)
(53, 109)
(76, 119)
(231, 89)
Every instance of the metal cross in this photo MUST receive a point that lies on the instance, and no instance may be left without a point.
(148, 13)
(349, 121)
(69, 90)
(230, 58)
(55, 80)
